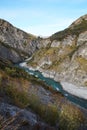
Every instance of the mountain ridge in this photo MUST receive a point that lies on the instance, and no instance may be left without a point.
(16, 42)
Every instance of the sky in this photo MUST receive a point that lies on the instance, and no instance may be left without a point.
(42, 17)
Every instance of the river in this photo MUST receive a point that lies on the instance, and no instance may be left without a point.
(57, 86)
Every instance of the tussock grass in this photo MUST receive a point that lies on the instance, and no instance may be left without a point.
(16, 88)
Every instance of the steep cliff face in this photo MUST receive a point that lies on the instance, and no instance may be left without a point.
(65, 57)
(15, 44)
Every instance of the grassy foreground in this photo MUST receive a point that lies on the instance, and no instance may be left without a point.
(15, 84)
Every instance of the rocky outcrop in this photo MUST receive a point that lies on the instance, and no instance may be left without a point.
(7, 53)
(15, 44)
(82, 38)
(12, 117)
(18, 43)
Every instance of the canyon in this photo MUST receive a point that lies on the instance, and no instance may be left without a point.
(61, 57)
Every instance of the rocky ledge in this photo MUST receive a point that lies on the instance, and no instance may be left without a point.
(14, 118)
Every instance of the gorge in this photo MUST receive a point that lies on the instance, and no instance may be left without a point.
(32, 71)
(58, 87)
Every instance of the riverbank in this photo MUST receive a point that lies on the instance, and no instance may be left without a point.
(80, 91)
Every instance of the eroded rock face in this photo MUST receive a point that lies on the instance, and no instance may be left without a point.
(69, 40)
(11, 55)
(56, 43)
(82, 38)
(20, 45)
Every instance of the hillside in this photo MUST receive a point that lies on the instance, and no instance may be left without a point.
(77, 27)
(65, 56)
(15, 44)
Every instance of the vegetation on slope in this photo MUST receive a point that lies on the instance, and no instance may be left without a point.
(56, 55)
(15, 85)
(82, 63)
(76, 30)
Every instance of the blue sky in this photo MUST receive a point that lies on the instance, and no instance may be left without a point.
(42, 17)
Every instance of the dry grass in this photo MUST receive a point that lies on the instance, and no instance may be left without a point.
(16, 88)
(70, 118)
(82, 62)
